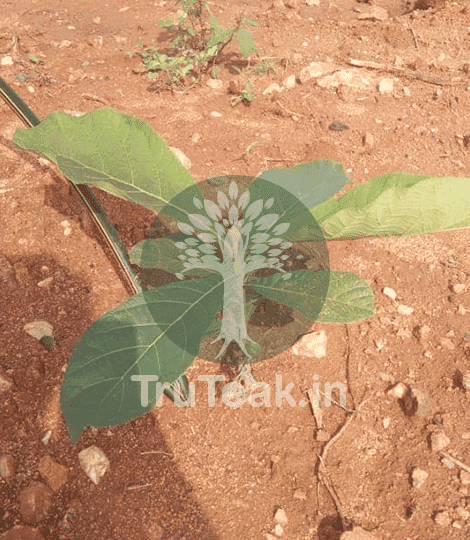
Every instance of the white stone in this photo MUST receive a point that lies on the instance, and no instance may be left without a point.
(466, 380)
(94, 462)
(464, 478)
(439, 441)
(278, 530)
(374, 13)
(388, 291)
(215, 84)
(311, 345)
(280, 517)
(186, 162)
(419, 477)
(442, 519)
(215, 114)
(358, 533)
(405, 310)
(289, 82)
(398, 391)
(316, 69)
(459, 288)
(386, 86)
(6, 61)
(273, 87)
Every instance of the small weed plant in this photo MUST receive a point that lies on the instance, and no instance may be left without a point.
(247, 257)
(197, 40)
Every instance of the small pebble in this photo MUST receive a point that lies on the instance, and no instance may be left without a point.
(7, 466)
(466, 380)
(278, 530)
(280, 516)
(419, 477)
(442, 519)
(465, 478)
(300, 494)
(439, 441)
(458, 288)
(398, 391)
(46, 283)
(215, 114)
(405, 310)
(6, 61)
(388, 291)
(386, 86)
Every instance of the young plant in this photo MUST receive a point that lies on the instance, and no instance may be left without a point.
(230, 239)
(198, 40)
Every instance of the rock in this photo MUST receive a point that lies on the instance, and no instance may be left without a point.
(419, 477)
(278, 4)
(289, 82)
(35, 501)
(7, 466)
(5, 382)
(22, 532)
(439, 441)
(6, 61)
(388, 291)
(404, 310)
(215, 84)
(46, 283)
(464, 478)
(442, 519)
(311, 345)
(374, 13)
(380, 344)
(96, 20)
(94, 462)
(300, 494)
(215, 114)
(278, 530)
(273, 87)
(358, 533)
(462, 512)
(315, 70)
(386, 377)
(447, 343)
(386, 86)
(369, 141)
(466, 380)
(280, 517)
(186, 162)
(350, 78)
(458, 288)
(422, 332)
(398, 391)
(54, 473)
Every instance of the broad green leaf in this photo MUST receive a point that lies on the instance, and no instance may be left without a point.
(153, 333)
(321, 296)
(113, 151)
(312, 183)
(163, 254)
(397, 204)
(290, 209)
(246, 42)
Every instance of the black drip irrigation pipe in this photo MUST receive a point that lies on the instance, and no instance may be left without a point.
(180, 387)
(106, 228)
